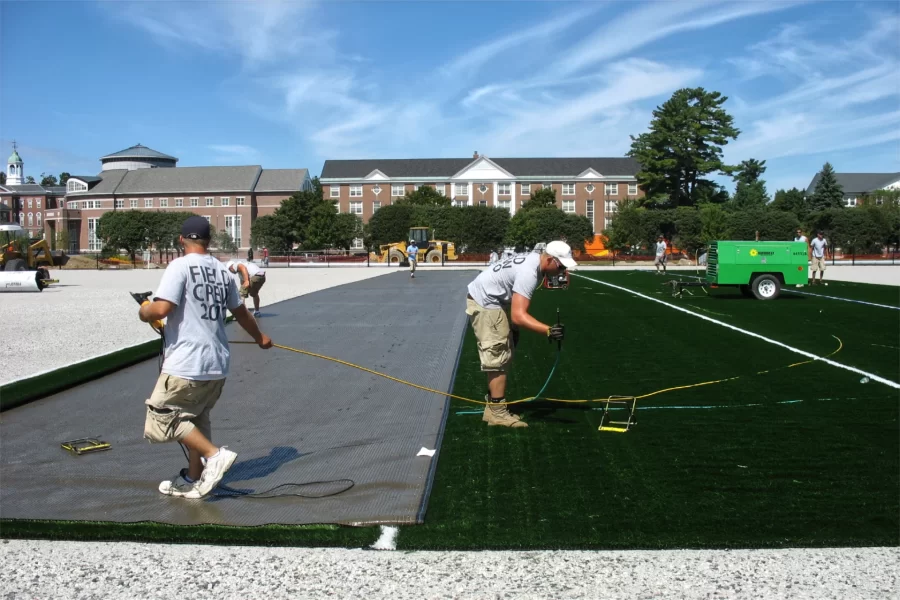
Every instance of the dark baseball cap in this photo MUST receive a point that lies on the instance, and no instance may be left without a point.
(195, 228)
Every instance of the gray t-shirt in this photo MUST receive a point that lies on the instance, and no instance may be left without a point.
(818, 247)
(495, 286)
(196, 344)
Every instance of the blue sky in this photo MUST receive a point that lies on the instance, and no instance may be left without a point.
(290, 84)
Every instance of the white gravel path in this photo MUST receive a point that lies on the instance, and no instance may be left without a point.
(89, 313)
(81, 570)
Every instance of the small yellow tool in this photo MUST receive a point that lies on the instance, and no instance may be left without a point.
(628, 423)
(142, 299)
(85, 445)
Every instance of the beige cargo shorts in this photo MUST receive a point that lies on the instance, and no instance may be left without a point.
(178, 405)
(818, 264)
(491, 327)
(256, 283)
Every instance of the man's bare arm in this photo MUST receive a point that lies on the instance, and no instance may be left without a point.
(248, 323)
(521, 318)
(155, 311)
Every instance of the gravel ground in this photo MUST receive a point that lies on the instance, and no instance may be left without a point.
(89, 313)
(79, 570)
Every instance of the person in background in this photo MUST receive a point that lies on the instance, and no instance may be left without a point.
(252, 279)
(660, 254)
(494, 257)
(266, 257)
(818, 246)
(412, 253)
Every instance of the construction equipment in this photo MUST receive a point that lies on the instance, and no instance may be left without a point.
(759, 269)
(430, 251)
(557, 282)
(21, 253)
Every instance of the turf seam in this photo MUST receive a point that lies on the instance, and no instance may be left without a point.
(828, 361)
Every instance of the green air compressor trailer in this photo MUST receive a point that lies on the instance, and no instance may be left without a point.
(760, 269)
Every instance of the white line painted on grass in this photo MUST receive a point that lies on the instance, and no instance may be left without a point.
(813, 295)
(388, 538)
(871, 376)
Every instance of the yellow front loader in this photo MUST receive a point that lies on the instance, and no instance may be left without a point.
(429, 250)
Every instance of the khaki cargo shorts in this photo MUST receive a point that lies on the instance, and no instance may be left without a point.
(660, 260)
(256, 283)
(178, 405)
(492, 331)
(818, 264)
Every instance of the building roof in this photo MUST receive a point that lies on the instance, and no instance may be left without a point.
(858, 183)
(87, 178)
(181, 180)
(26, 188)
(14, 158)
(138, 151)
(444, 168)
(107, 183)
(281, 180)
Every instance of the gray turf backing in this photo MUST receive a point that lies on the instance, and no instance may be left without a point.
(291, 418)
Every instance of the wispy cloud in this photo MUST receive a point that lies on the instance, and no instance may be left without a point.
(231, 153)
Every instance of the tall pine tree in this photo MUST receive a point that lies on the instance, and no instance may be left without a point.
(683, 146)
(828, 192)
(751, 190)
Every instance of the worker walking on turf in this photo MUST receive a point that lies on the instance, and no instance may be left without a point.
(252, 279)
(412, 253)
(818, 245)
(509, 285)
(194, 293)
(660, 254)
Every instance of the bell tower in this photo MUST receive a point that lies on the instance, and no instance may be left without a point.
(14, 168)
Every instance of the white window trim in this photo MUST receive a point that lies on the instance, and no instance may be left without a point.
(615, 189)
(195, 202)
(632, 189)
(589, 210)
(239, 201)
(504, 186)
(355, 205)
(440, 188)
(356, 191)
(464, 187)
(565, 193)
(526, 189)
(120, 202)
(335, 191)
(179, 202)
(376, 205)
(568, 206)
(133, 203)
(164, 203)
(394, 193)
(148, 202)
(210, 201)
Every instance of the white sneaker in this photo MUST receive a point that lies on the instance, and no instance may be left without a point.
(215, 470)
(179, 486)
(256, 314)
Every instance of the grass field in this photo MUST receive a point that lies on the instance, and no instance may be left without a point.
(796, 456)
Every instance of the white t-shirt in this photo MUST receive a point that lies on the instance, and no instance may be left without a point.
(201, 289)
(660, 248)
(252, 268)
(802, 238)
(495, 286)
(818, 247)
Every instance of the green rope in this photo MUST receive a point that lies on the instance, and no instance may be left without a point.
(538, 395)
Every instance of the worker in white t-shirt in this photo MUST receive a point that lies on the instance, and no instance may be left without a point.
(252, 278)
(660, 254)
(817, 248)
(509, 284)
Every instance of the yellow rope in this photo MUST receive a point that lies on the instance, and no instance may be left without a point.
(562, 401)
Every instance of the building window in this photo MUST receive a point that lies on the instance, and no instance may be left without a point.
(848, 202)
(482, 203)
(440, 188)
(226, 201)
(356, 191)
(356, 208)
(357, 244)
(568, 189)
(482, 188)
(233, 227)
(120, 203)
(39, 221)
(590, 211)
(240, 201)
(148, 202)
(164, 203)
(568, 206)
(195, 202)
(462, 189)
(376, 206)
(416, 187)
(607, 221)
(632, 189)
(75, 186)
(208, 218)
(547, 186)
(21, 218)
(94, 244)
(179, 202)
(29, 203)
(526, 189)
(504, 204)
(397, 190)
(210, 201)
(31, 219)
(72, 205)
(612, 189)
(37, 202)
(612, 206)
(335, 191)
(879, 201)
(376, 189)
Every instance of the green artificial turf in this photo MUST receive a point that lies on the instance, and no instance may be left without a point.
(268, 535)
(801, 456)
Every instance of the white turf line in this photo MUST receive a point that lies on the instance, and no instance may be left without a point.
(388, 538)
(871, 376)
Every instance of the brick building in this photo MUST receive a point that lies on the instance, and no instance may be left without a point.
(139, 178)
(857, 185)
(592, 187)
(26, 203)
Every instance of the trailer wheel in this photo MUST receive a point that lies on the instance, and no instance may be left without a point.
(766, 287)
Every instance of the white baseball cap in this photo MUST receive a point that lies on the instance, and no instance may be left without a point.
(562, 252)
(229, 264)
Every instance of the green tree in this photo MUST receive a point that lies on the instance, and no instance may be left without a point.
(683, 146)
(480, 228)
(426, 195)
(62, 240)
(47, 180)
(29, 179)
(774, 225)
(537, 225)
(345, 229)
(224, 242)
(713, 223)
(688, 234)
(792, 200)
(64, 177)
(541, 198)
(887, 219)
(856, 232)
(750, 191)
(390, 224)
(124, 230)
(2, 178)
(828, 192)
(273, 232)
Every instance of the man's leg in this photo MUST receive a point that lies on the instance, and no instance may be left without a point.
(255, 302)
(492, 331)
(198, 445)
(497, 384)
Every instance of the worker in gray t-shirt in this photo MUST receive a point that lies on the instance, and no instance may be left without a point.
(509, 285)
(817, 249)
